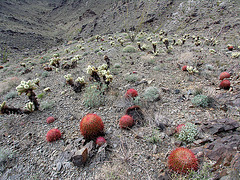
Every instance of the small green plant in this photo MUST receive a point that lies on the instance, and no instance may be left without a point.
(46, 105)
(4, 55)
(204, 173)
(201, 100)
(41, 96)
(117, 65)
(5, 155)
(94, 95)
(129, 49)
(45, 74)
(155, 137)
(188, 133)
(11, 95)
(151, 94)
(132, 78)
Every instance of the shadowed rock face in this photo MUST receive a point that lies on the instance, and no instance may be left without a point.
(34, 26)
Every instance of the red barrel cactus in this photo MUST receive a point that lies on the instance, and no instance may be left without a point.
(182, 160)
(91, 126)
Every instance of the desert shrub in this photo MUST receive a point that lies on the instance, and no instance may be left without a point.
(117, 65)
(156, 68)
(151, 94)
(94, 95)
(129, 49)
(5, 155)
(40, 96)
(201, 100)
(188, 133)
(46, 105)
(11, 95)
(45, 74)
(204, 173)
(132, 78)
(154, 137)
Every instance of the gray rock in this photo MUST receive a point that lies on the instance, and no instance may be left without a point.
(219, 125)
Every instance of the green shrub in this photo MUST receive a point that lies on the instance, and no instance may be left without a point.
(201, 101)
(45, 74)
(188, 133)
(132, 78)
(155, 137)
(129, 49)
(40, 96)
(117, 65)
(46, 105)
(151, 94)
(5, 155)
(94, 95)
(11, 95)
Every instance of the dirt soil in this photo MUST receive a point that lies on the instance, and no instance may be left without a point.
(142, 151)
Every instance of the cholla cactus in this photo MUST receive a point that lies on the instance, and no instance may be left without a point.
(54, 61)
(91, 69)
(166, 42)
(112, 43)
(102, 67)
(80, 80)
(188, 133)
(212, 51)
(154, 44)
(235, 54)
(109, 78)
(161, 32)
(2, 107)
(56, 55)
(179, 42)
(29, 106)
(69, 79)
(97, 37)
(191, 70)
(26, 86)
(121, 41)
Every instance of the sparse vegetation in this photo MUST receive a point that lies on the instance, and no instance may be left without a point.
(201, 100)
(129, 49)
(94, 95)
(158, 51)
(151, 94)
(188, 133)
(132, 78)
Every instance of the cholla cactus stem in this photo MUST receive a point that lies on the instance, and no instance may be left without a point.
(154, 47)
(33, 99)
(96, 76)
(139, 46)
(106, 58)
(4, 109)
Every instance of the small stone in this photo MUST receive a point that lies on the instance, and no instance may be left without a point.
(154, 149)
(80, 157)
(59, 166)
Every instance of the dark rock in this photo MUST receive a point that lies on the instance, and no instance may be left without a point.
(80, 157)
(220, 125)
(223, 147)
(235, 163)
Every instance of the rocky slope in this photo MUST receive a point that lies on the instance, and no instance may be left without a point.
(206, 28)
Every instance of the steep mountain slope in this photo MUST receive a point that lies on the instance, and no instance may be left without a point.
(34, 25)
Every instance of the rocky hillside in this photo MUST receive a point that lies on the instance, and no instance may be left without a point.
(29, 26)
(172, 66)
